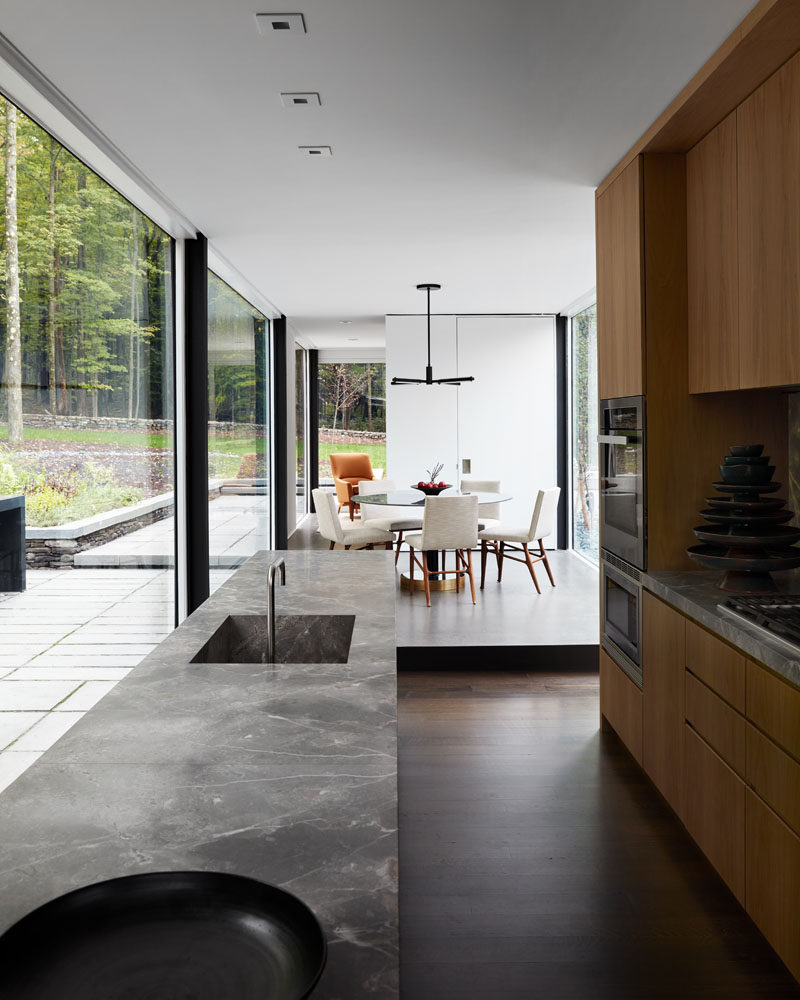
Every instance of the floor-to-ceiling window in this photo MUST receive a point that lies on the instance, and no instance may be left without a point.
(351, 412)
(238, 430)
(301, 429)
(585, 499)
(86, 435)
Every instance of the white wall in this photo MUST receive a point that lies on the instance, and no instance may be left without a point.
(504, 421)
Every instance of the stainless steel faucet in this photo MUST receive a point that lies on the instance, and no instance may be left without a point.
(277, 564)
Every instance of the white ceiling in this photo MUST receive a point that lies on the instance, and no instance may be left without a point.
(467, 137)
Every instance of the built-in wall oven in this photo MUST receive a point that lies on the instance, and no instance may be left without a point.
(621, 614)
(623, 496)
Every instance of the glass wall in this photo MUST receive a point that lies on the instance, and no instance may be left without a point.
(352, 413)
(585, 498)
(238, 430)
(301, 429)
(86, 427)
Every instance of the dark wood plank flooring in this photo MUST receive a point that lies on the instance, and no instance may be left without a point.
(537, 860)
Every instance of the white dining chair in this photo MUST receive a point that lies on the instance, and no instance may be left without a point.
(449, 522)
(488, 513)
(331, 527)
(502, 540)
(395, 519)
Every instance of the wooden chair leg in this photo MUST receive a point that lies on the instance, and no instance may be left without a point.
(471, 576)
(483, 562)
(389, 546)
(444, 563)
(331, 546)
(411, 571)
(352, 507)
(370, 546)
(399, 543)
(530, 567)
(546, 562)
(500, 553)
(427, 575)
(347, 548)
(458, 575)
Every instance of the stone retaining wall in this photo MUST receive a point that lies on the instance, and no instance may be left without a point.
(339, 436)
(59, 553)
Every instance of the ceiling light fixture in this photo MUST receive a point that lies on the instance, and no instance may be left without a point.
(316, 150)
(309, 100)
(284, 24)
(429, 379)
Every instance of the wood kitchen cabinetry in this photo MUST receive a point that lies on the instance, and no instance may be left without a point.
(663, 658)
(743, 243)
(621, 704)
(768, 143)
(712, 261)
(620, 305)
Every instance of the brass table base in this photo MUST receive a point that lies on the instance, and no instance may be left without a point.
(448, 583)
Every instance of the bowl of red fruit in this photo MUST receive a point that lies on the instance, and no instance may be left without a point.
(431, 489)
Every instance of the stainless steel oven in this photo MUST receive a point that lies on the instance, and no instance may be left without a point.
(623, 498)
(621, 614)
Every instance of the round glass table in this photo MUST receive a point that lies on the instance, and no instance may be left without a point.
(416, 498)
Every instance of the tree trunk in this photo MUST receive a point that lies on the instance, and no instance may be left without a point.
(83, 365)
(134, 296)
(369, 397)
(55, 149)
(13, 372)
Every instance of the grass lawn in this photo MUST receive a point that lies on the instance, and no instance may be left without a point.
(128, 438)
(376, 452)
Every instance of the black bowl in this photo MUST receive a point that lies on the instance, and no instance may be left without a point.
(746, 459)
(749, 450)
(431, 491)
(208, 935)
(748, 474)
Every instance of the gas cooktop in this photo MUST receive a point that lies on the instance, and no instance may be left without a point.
(776, 615)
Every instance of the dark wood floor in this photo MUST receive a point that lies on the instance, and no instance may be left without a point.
(537, 861)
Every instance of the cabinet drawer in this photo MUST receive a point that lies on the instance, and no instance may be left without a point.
(716, 722)
(714, 807)
(621, 704)
(775, 776)
(774, 706)
(716, 664)
(773, 880)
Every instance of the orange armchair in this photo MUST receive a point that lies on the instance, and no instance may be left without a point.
(348, 469)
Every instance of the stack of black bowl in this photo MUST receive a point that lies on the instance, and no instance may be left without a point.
(748, 535)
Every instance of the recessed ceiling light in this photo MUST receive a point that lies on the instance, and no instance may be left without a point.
(300, 100)
(345, 322)
(283, 24)
(352, 338)
(316, 150)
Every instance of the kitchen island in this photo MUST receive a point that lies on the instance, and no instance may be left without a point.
(285, 773)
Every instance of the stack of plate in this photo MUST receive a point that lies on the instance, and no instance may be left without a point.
(748, 535)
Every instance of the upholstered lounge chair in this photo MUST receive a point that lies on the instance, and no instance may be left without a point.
(348, 468)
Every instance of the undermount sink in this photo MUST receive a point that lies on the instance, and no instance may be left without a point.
(298, 639)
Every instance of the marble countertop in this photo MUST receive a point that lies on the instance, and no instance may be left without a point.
(285, 773)
(697, 595)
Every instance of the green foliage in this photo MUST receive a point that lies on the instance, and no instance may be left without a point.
(53, 500)
(352, 394)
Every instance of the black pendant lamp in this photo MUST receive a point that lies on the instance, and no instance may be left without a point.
(429, 379)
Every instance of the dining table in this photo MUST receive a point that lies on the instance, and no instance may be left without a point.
(416, 498)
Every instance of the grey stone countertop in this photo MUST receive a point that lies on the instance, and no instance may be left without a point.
(284, 773)
(697, 595)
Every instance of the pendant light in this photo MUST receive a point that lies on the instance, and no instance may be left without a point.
(429, 379)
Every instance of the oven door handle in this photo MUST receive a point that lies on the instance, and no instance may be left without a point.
(612, 439)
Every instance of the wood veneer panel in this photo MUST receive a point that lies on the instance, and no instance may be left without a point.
(715, 811)
(663, 687)
(775, 776)
(765, 39)
(621, 704)
(712, 259)
(718, 724)
(768, 125)
(772, 886)
(774, 706)
(717, 664)
(620, 329)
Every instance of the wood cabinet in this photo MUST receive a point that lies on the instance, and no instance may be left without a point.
(768, 143)
(774, 707)
(663, 659)
(772, 880)
(774, 776)
(718, 724)
(621, 704)
(620, 301)
(716, 663)
(714, 811)
(712, 261)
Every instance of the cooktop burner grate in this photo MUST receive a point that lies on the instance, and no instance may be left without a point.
(778, 615)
